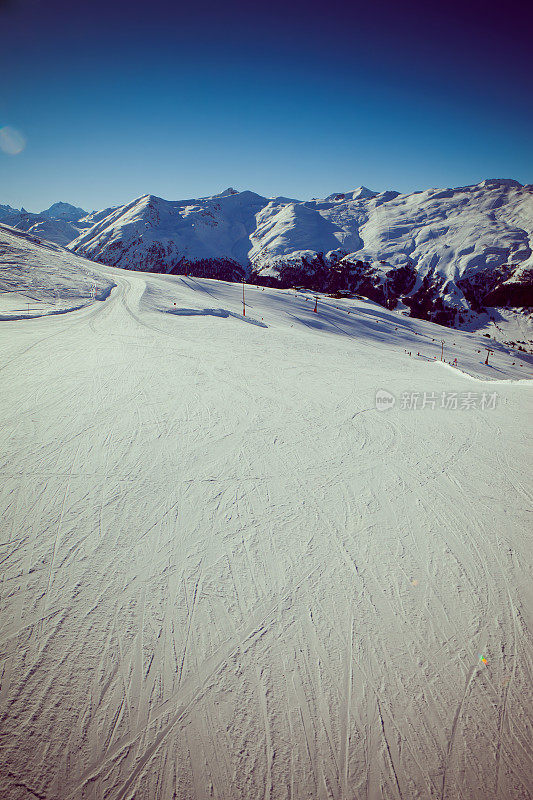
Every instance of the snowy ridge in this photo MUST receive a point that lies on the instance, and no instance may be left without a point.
(446, 255)
(60, 223)
(438, 254)
(159, 235)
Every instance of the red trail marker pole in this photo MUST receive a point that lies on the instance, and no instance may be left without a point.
(243, 303)
(315, 309)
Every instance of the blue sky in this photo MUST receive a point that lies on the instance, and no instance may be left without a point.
(119, 99)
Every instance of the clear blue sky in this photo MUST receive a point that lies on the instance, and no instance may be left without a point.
(118, 99)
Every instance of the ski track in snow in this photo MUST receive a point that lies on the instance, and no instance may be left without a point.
(225, 574)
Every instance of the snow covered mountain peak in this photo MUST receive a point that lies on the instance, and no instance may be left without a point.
(438, 254)
(500, 183)
(152, 234)
(64, 211)
(227, 192)
(361, 193)
(60, 223)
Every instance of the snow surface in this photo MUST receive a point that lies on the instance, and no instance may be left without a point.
(41, 278)
(227, 574)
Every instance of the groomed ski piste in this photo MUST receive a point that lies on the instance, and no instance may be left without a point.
(259, 556)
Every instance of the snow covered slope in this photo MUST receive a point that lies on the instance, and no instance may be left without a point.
(53, 230)
(40, 278)
(268, 555)
(153, 234)
(443, 255)
(9, 215)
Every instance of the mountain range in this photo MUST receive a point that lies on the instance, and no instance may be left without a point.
(446, 255)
